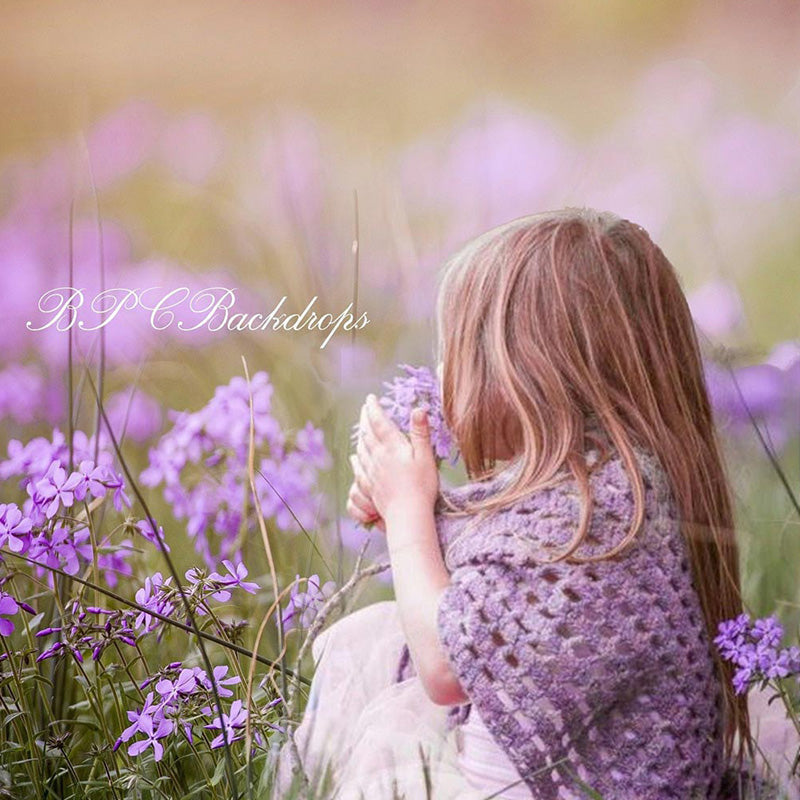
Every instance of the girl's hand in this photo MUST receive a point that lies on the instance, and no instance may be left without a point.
(391, 469)
(397, 478)
(359, 505)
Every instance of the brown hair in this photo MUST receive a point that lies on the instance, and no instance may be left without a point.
(557, 319)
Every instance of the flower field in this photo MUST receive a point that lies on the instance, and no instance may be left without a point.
(173, 476)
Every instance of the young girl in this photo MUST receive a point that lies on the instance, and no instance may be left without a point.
(551, 633)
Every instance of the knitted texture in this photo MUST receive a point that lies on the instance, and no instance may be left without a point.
(589, 676)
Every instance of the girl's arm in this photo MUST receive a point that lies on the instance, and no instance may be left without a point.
(397, 478)
(420, 577)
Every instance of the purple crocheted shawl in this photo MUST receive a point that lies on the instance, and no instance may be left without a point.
(590, 676)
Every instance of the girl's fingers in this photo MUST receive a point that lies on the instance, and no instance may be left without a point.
(365, 432)
(365, 458)
(362, 503)
(356, 513)
(361, 479)
(382, 428)
(360, 507)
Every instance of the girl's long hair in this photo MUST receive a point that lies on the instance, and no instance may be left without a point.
(567, 317)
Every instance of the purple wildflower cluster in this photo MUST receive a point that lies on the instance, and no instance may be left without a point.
(754, 648)
(84, 629)
(94, 629)
(160, 596)
(183, 697)
(146, 530)
(43, 464)
(46, 528)
(203, 463)
(303, 606)
(418, 387)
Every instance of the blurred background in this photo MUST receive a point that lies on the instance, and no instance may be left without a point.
(247, 144)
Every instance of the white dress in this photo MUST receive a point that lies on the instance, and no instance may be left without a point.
(374, 734)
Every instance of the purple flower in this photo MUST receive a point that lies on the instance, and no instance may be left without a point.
(217, 586)
(151, 721)
(229, 725)
(786, 663)
(310, 443)
(220, 681)
(786, 356)
(303, 606)
(195, 575)
(135, 717)
(138, 414)
(121, 141)
(203, 464)
(750, 159)
(767, 631)
(112, 561)
(13, 526)
(716, 308)
(287, 491)
(63, 548)
(9, 606)
(753, 648)
(756, 392)
(741, 679)
(184, 684)
(82, 630)
(146, 529)
(56, 489)
(153, 731)
(33, 459)
(419, 387)
(236, 578)
(732, 635)
(92, 480)
(171, 668)
(44, 467)
(119, 498)
(21, 393)
(117, 627)
(151, 596)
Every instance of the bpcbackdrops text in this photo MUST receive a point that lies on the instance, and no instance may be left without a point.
(184, 309)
